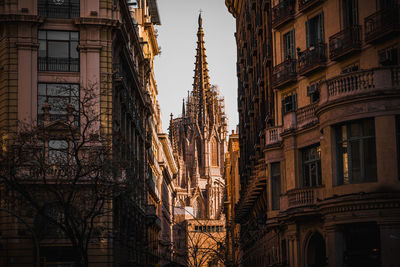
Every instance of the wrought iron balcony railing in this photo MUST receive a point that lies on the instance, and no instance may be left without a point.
(305, 4)
(382, 23)
(311, 59)
(284, 73)
(283, 12)
(59, 9)
(58, 64)
(344, 42)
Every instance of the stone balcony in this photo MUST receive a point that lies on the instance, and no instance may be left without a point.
(273, 136)
(303, 197)
(306, 117)
(359, 84)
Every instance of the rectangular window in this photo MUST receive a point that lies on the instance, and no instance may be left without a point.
(315, 30)
(350, 13)
(289, 45)
(289, 103)
(275, 185)
(58, 51)
(313, 92)
(311, 166)
(61, 9)
(356, 152)
(58, 95)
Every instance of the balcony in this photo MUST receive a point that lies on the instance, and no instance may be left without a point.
(381, 24)
(283, 12)
(359, 84)
(311, 59)
(58, 64)
(284, 73)
(306, 4)
(345, 42)
(302, 197)
(306, 117)
(273, 136)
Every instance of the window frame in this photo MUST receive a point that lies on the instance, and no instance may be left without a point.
(73, 64)
(289, 44)
(320, 32)
(52, 10)
(309, 162)
(341, 178)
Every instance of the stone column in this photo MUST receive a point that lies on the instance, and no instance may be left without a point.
(335, 246)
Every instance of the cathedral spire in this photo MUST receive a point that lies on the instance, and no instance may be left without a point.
(201, 83)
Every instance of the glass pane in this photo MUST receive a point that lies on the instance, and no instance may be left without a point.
(74, 36)
(368, 127)
(306, 175)
(319, 173)
(74, 50)
(41, 89)
(41, 100)
(313, 174)
(58, 144)
(370, 159)
(344, 132)
(62, 89)
(42, 48)
(345, 163)
(58, 49)
(42, 35)
(58, 35)
(355, 162)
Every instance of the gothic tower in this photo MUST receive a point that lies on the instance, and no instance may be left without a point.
(198, 138)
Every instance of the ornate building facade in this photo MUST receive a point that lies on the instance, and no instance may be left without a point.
(320, 176)
(198, 139)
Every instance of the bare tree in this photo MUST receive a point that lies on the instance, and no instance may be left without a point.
(62, 170)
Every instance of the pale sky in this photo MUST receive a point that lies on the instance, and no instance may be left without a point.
(174, 68)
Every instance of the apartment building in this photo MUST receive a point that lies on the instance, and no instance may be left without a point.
(330, 196)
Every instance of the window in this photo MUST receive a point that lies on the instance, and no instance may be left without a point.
(356, 152)
(62, 9)
(350, 13)
(58, 51)
(313, 92)
(315, 30)
(275, 185)
(289, 103)
(289, 45)
(311, 166)
(58, 96)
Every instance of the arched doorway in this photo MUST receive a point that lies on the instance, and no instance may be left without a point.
(316, 253)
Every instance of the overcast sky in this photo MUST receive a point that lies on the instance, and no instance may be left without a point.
(174, 68)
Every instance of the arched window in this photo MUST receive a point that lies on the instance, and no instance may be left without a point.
(214, 152)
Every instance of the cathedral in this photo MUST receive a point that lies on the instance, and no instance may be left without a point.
(198, 138)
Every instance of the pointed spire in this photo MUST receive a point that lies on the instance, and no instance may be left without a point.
(201, 84)
(183, 108)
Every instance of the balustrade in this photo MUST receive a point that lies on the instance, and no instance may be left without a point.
(301, 197)
(273, 136)
(306, 116)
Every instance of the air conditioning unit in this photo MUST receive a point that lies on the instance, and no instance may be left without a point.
(388, 57)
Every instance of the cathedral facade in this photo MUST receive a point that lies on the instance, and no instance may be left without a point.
(198, 138)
